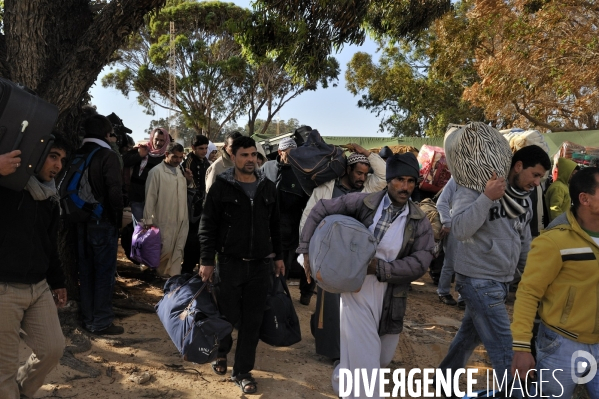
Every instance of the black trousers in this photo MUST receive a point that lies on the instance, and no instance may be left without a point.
(290, 259)
(191, 252)
(241, 296)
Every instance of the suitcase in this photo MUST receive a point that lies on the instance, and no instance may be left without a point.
(325, 324)
(26, 123)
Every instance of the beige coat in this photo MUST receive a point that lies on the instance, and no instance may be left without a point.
(166, 208)
(219, 166)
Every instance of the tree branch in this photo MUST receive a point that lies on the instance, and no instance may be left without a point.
(536, 121)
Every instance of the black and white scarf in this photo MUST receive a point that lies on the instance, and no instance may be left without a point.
(509, 203)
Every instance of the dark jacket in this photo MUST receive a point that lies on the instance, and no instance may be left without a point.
(106, 180)
(237, 227)
(137, 187)
(411, 263)
(28, 239)
(291, 197)
(198, 168)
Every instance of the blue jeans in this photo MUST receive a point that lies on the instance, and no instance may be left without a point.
(137, 209)
(554, 352)
(485, 320)
(444, 286)
(97, 266)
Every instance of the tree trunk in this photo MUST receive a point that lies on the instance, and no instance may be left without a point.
(57, 48)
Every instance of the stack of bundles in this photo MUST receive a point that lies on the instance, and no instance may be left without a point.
(567, 149)
(433, 168)
(398, 149)
(593, 151)
(474, 152)
(520, 138)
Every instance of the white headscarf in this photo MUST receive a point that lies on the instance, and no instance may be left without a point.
(211, 147)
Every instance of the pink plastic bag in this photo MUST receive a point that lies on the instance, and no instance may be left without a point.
(146, 246)
(434, 170)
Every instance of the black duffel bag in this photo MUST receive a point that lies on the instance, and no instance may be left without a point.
(280, 324)
(316, 162)
(191, 318)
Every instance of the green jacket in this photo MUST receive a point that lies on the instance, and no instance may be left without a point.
(557, 196)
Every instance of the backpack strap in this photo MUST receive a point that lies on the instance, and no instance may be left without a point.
(73, 188)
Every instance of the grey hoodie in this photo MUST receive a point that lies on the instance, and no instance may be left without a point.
(490, 244)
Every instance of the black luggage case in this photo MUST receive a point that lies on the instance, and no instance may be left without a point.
(26, 123)
(325, 324)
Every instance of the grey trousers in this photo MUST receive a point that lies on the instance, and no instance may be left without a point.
(31, 308)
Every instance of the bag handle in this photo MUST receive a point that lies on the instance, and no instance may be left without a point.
(283, 281)
(185, 312)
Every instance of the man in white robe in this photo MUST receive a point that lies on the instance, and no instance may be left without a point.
(372, 318)
(166, 208)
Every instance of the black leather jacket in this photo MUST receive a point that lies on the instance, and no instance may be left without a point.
(235, 226)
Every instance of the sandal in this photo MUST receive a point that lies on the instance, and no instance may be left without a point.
(219, 366)
(246, 382)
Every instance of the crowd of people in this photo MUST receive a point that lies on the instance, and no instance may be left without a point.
(236, 219)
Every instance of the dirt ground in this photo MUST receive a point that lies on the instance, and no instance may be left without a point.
(293, 372)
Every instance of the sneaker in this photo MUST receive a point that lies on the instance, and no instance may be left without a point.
(448, 300)
(110, 330)
(461, 305)
(305, 299)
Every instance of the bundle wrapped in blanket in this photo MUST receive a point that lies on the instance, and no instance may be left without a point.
(474, 152)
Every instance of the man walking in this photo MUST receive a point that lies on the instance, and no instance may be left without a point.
(141, 160)
(557, 195)
(444, 207)
(356, 179)
(372, 318)
(166, 208)
(98, 239)
(30, 276)
(241, 223)
(196, 163)
(490, 246)
(292, 201)
(562, 274)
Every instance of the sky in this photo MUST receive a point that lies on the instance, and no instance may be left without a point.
(333, 111)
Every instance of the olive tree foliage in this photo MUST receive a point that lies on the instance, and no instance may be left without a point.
(210, 70)
(217, 81)
(302, 34)
(416, 87)
(538, 62)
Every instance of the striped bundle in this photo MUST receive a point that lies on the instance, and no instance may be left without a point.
(474, 152)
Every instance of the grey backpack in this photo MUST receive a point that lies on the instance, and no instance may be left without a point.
(340, 251)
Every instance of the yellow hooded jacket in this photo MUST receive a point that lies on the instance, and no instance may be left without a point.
(562, 273)
(557, 196)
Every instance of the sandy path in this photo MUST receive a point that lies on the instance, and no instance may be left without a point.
(294, 372)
